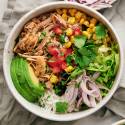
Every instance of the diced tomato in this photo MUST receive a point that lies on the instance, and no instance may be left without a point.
(77, 31)
(51, 63)
(63, 66)
(68, 52)
(53, 51)
(61, 58)
(57, 64)
(56, 69)
(63, 50)
(57, 30)
(56, 61)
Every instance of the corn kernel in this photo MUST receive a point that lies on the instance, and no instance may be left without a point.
(69, 69)
(93, 21)
(72, 39)
(91, 25)
(82, 21)
(94, 37)
(59, 11)
(87, 34)
(71, 20)
(69, 32)
(64, 11)
(68, 44)
(78, 15)
(84, 16)
(64, 16)
(86, 23)
(53, 79)
(72, 12)
(93, 29)
(89, 30)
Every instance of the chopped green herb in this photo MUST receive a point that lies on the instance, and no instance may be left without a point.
(62, 38)
(80, 41)
(42, 35)
(100, 31)
(61, 107)
(69, 59)
(85, 55)
(76, 72)
(60, 88)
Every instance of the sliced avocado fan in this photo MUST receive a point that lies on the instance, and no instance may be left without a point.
(24, 79)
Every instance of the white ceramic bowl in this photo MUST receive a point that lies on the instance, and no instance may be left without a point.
(8, 55)
(121, 122)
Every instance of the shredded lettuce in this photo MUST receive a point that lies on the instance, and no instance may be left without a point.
(107, 64)
(76, 72)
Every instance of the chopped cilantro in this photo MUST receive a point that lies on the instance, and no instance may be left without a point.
(80, 41)
(62, 38)
(84, 56)
(42, 35)
(60, 88)
(61, 107)
(100, 31)
(69, 59)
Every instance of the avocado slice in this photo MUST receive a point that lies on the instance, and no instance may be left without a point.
(23, 80)
(34, 79)
(14, 76)
(31, 79)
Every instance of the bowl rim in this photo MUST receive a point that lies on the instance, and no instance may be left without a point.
(119, 122)
(73, 116)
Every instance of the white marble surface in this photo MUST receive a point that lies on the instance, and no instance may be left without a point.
(11, 113)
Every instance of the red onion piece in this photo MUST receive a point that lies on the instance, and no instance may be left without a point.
(92, 101)
(85, 89)
(79, 102)
(97, 93)
(86, 99)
